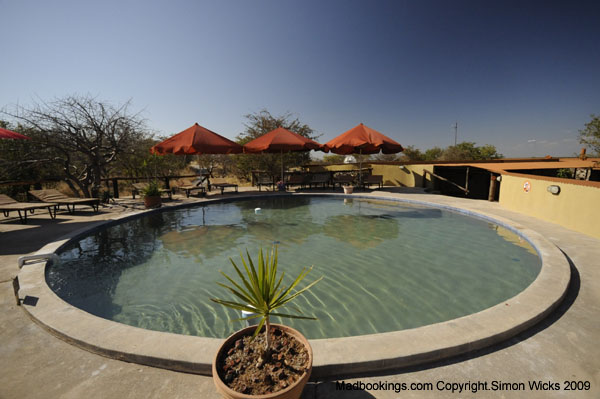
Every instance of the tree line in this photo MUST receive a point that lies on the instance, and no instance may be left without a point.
(465, 151)
(81, 140)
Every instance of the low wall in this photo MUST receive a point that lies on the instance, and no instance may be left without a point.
(393, 174)
(334, 167)
(403, 175)
(575, 207)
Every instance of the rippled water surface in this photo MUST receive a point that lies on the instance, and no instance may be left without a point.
(386, 265)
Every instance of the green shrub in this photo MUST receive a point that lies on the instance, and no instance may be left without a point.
(565, 173)
(152, 189)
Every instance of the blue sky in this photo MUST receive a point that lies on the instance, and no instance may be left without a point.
(521, 75)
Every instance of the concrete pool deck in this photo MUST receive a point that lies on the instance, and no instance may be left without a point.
(560, 348)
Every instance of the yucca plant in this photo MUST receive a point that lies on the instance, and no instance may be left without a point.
(261, 291)
(152, 189)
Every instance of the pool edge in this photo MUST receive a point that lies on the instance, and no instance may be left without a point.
(375, 352)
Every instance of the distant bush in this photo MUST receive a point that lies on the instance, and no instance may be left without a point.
(564, 173)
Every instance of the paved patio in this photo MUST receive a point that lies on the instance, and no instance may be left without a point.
(563, 347)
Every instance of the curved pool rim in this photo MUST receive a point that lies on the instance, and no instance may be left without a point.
(332, 356)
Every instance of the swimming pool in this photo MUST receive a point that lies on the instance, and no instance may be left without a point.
(387, 265)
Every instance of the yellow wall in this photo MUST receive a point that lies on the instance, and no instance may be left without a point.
(393, 175)
(324, 168)
(576, 207)
(403, 175)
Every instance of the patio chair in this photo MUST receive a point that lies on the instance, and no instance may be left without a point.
(188, 187)
(7, 204)
(373, 179)
(138, 188)
(265, 180)
(223, 184)
(319, 179)
(343, 179)
(58, 198)
(298, 179)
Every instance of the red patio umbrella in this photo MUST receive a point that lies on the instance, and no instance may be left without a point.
(8, 134)
(197, 140)
(281, 140)
(362, 139)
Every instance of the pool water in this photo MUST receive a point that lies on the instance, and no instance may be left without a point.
(387, 265)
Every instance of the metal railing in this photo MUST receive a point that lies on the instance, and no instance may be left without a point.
(23, 260)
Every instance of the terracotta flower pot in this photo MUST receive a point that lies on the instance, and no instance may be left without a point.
(152, 201)
(348, 189)
(292, 392)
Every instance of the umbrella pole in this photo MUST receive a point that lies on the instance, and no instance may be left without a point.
(360, 167)
(282, 166)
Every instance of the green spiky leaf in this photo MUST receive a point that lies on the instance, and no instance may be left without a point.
(261, 288)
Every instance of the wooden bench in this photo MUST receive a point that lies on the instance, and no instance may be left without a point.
(265, 180)
(188, 190)
(319, 179)
(298, 179)
(189, 186)
(373, 179)
(7, 204)
(58, 198)
(223, 184)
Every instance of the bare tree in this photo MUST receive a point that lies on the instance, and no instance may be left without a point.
(83, 135)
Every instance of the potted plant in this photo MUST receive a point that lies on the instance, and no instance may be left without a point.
(348, 188)
(269, 360)
(151, 195)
